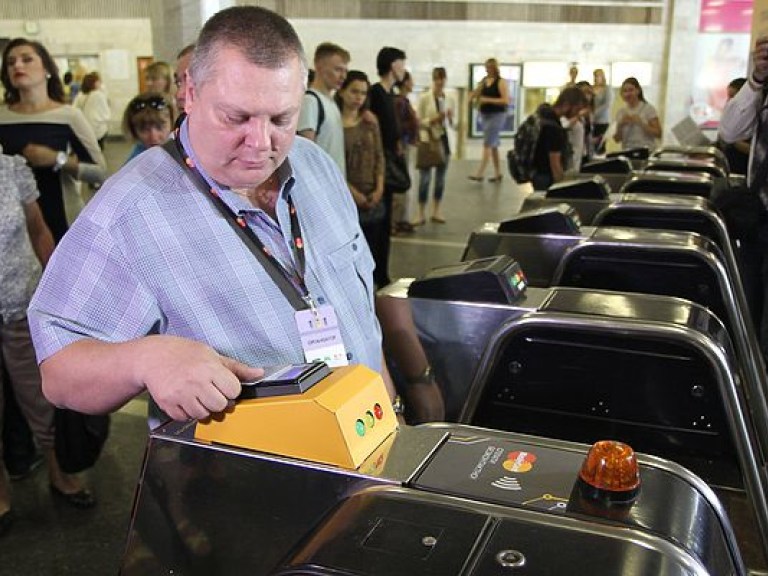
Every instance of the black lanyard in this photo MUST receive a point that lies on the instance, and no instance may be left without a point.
(291, 284)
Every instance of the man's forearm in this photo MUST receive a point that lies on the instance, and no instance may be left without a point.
(91, 376)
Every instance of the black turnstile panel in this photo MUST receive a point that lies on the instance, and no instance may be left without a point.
(647, 271)
(686, 165)
(659, 219)
(660, 397)
(684, 183)
(608, 166)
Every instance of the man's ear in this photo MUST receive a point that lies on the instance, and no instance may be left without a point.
(190, 91)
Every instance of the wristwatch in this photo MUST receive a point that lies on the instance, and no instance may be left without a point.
(398, 406)
(61, 159)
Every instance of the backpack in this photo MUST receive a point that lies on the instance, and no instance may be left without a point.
(320, 111)
(520, 157)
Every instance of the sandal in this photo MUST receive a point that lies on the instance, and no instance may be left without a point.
(495, 179)
(475, 178)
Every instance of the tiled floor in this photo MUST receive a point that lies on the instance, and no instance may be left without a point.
(49, 538)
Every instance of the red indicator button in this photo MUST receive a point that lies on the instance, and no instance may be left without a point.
(378, 412)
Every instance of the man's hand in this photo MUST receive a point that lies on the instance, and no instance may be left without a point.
(189, 379)
(760, 60)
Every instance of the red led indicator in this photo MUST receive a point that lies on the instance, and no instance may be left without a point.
(378, 412)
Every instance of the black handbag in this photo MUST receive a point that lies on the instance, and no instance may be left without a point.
(396, 177)
(79, 439)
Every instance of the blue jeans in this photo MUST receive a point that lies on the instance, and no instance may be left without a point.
(425, 179)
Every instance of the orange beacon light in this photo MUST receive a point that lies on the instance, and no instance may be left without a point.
(610, 472)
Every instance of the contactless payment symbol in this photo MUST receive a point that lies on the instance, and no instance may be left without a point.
(519, 461)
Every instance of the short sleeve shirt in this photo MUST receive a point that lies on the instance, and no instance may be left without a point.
(331, 135)
(551, 139)
(150, 254)
(19, 267)
(632, 135)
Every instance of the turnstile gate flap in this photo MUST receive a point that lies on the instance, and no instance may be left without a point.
(649, 236)
(608, 166)
(648, 307)
(591, 188)
(710, 153)
(401, 534)
(686, 165)
(665, 212)
(586, 208)
(639, 153)
(686, 183)
(555, 219)
(641, 264)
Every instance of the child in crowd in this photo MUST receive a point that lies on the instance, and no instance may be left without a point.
(147, 120)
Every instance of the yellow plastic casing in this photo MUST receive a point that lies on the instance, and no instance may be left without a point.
(320, 425)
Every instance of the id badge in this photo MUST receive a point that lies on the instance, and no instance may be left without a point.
(321, 337)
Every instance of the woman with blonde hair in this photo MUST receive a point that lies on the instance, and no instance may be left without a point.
(602, 101)
(492, 96)
(158, 78)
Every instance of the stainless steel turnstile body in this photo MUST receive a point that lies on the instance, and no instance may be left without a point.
(435, 500)
(547, 327)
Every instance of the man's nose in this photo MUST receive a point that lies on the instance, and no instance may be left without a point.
(258, 133)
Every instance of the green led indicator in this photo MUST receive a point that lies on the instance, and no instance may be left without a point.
(360, 428)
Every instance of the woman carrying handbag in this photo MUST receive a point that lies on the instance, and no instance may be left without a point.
(434, 111)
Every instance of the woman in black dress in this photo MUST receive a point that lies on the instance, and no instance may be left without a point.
(55, 138)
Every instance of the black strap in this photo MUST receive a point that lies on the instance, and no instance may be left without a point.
(320, 111)
(249, 238)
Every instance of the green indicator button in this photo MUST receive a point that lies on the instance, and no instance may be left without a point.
(360, 428)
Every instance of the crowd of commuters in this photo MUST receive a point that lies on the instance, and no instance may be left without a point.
(305, 172)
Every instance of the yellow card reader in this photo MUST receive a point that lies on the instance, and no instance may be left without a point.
(340, 419)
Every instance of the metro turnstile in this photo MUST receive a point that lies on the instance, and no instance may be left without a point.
(710, 153)
(638, 260)
(665, 211)
(456, 335)
(435, 500)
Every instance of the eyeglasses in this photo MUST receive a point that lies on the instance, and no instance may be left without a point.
(154, 102)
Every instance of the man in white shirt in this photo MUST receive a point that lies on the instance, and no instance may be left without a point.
(745, 117)
(320, 118)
